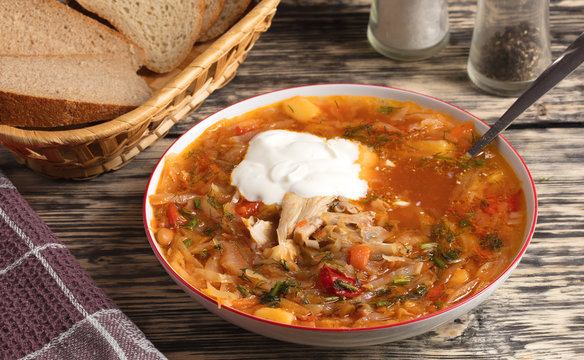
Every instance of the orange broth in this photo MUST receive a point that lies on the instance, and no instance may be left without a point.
(444, 226)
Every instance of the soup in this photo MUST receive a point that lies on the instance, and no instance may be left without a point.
(338, 212)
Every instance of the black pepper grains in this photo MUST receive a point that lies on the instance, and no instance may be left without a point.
(512, 54)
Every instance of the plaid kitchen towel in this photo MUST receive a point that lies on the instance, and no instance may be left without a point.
(49, 306)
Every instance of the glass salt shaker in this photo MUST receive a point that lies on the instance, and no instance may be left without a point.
(510, 45)
(408, 30)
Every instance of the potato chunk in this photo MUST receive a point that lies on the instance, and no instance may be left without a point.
(434, 147)
(275, 314)
(301, 109)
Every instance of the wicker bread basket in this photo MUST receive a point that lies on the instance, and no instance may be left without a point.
(86, 152)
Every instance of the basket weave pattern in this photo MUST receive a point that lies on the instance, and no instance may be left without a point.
(87, 152)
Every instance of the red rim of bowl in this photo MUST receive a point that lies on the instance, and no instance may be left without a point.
(511, 266)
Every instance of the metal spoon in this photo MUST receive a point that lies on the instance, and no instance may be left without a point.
(558, 70)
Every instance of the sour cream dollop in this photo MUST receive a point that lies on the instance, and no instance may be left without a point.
(278, 161)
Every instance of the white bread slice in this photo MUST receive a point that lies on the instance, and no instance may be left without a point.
(232, 11)
(165, 29)
(54, 91)
(213, 9)
(46, 27)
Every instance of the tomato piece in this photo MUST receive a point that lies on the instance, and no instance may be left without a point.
(246, 208)
(514, 201)
(436, 292)
(359, 256)
(490, 205)
(242, 130)
(174, 218)
(336, 282)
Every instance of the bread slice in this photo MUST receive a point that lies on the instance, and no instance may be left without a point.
(213, 9)
(165, 29)
(232, 11)
(46, 27)
(54, 91)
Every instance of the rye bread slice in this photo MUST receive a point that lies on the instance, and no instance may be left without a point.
(46, 27)
(165, 29)
(56, 91)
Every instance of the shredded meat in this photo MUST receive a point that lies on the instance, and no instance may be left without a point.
(261, 231)
(298, 210)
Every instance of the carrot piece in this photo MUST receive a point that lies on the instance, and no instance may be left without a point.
(302, 223)
(359, 256)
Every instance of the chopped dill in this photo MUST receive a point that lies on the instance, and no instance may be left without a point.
(491, 241)
(420, 291)
(465, 221)
(279, 290)
(386, 109)
(451, 254)
(243, 290)
(228, 215)
(442, 231)
(282, 264)
(244, 276)
(211, 201)
(382, 303)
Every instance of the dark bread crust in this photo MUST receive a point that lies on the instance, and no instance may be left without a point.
(30, 111)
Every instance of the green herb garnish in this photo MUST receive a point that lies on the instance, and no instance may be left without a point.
(211, 201)
(193, 222)
(244, 276)
(441, 264)
(382, 303)
(330, 298)
(386, 109)
(188, 242)
(244, 292)
(442, 231)
(343, 285)
(491, 241)
(282, 264)
(279, 290)
(401, 281)
(421, 290)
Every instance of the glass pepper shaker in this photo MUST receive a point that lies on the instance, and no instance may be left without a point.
(510, 45)
(408, 30)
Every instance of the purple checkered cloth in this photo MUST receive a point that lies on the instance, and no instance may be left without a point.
(49, 306)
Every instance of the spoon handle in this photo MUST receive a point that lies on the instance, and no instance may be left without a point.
(559, 69)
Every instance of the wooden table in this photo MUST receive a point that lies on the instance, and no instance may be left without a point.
(537, 314)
